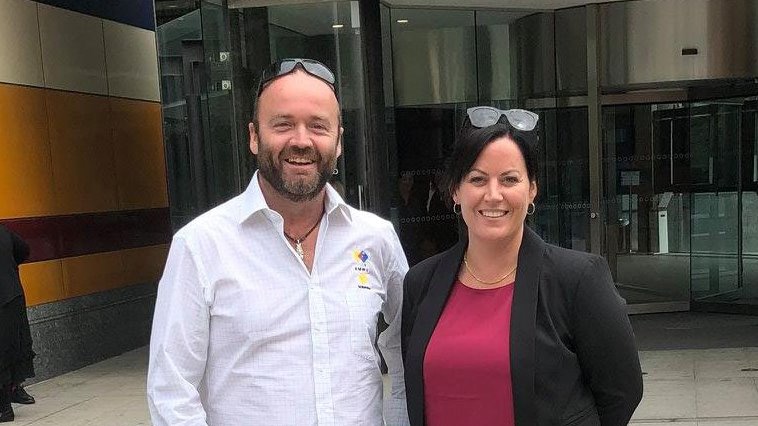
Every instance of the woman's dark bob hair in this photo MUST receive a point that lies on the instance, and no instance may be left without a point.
(471, 142)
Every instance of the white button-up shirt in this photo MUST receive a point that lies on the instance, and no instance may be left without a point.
(243, 334)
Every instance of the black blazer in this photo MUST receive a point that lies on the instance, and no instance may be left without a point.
(13, 251)
(572, 349)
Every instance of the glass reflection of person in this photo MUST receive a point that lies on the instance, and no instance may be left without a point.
(504, 328)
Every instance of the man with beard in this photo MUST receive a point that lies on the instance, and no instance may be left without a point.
(267, 310)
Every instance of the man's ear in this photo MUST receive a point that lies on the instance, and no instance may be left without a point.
(339, 143)
(253, 138)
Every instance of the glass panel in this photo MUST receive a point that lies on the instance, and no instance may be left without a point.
(646, 202)
(429, 93)
(715, 140)
(195, 83)
(446, 72)
(563, 202)
(180, 58)
(749, 157)
(220, 144)
(330, 33)
(496, 54)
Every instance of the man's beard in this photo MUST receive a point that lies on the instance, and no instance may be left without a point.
(299, 188)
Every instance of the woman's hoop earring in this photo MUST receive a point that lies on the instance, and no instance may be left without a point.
(458, 210)
(531, 209)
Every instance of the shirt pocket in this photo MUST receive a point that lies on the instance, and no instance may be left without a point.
(364, 306)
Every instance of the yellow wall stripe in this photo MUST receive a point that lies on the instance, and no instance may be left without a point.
(60, 279)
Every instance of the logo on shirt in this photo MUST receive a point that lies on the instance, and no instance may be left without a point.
(361, 268)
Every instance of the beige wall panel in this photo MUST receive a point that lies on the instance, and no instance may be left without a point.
(73, 52)
(20, 55)
(81, 144)
(139, 155)
(132, 61)
(26, 178)
(42, 281)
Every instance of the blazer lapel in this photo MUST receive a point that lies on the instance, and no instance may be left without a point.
(523, 324)
(440, 285)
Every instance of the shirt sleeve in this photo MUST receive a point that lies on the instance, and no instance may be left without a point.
(395, 409)
(179, 341)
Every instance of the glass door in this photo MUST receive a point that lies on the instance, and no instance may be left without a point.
(715, 138)
(646, 203)
(749, 203)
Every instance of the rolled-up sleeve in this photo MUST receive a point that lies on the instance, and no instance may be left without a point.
(179, 341)
(395, 409)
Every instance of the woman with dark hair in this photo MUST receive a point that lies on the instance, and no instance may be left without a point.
(15, 338)
(503, 328)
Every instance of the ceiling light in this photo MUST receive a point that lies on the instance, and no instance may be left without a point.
(337, 26)
(402, 21)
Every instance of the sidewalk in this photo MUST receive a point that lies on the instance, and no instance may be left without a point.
(704, 387)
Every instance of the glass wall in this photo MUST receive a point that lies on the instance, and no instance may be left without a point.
(749, 201)
(196, 102)
(330, 33)
(715, 144)
(724, 171)
(647, 201)
(679, 173)
(430, 94)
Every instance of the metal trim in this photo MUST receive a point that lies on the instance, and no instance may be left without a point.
(646, 97)
(594, 118)
(552, 103)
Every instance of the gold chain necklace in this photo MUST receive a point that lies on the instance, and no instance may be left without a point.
(299, 241)
(473, 275)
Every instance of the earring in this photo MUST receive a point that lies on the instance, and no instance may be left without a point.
(458, 211)
(335, 171)
(531, 208)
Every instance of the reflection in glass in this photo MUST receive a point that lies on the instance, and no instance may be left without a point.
(563, 201)
(715, 223)
(329, 32)
(646, 202)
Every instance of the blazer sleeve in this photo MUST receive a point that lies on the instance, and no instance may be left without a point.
(408, 314)
(415, 283)
(605, 345)
(20, 248)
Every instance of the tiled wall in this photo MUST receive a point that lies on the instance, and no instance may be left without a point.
(82, 167)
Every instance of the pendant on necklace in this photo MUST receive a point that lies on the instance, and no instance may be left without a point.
(299, 249)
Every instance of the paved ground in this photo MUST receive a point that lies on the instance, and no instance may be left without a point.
(713, 385)
(705, 387)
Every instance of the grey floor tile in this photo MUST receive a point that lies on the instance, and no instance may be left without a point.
(667, 399)
(726, 397)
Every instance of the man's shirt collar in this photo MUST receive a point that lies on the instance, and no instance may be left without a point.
(253, 202)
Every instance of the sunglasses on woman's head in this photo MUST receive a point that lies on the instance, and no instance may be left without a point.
(485, 116)
(286, 66)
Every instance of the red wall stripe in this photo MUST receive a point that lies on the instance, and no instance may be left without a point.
(55, 237)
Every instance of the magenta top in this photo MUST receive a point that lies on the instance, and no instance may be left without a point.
(467, 367)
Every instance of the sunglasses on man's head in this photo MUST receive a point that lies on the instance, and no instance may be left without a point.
(286, 66)
(485, 116)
